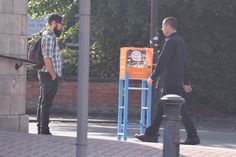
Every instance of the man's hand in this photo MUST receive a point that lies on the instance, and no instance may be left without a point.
(187, 88)
(149, 81)
(50, 68)
(54, 77)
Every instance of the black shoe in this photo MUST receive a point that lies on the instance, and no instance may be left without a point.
(191, 141)
(147, 138)
(45, 132)
(38, 127)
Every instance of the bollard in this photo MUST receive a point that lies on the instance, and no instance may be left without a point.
(172, 104)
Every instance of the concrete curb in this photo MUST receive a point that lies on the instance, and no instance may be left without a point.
(73, 120)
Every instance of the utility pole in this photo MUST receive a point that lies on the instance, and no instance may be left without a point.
(154, 38)
(154, 24)
(83, 78)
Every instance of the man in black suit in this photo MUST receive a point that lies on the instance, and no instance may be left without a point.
(172, 63)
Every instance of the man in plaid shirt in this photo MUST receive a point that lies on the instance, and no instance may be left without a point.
(48, 75)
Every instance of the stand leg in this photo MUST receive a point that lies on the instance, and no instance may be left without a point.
(120, 109)
(149, 106)
(126, 100)
(143, 100)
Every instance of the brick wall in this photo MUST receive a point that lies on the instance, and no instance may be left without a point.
(103, 97)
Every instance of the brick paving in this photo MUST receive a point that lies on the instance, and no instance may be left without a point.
(14, 144)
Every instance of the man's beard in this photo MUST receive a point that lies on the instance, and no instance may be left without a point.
(57, 32)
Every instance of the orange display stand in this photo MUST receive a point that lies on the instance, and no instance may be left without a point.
(137, 62)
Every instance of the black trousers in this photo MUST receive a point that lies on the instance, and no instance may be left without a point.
(186, 119)
(48, 89)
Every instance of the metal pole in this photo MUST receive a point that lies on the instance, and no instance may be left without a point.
(172, 104)
(143, 107)
(154, 24)
(126, 105)
(120, 110)
(149, 106)
(154, 44)
(83, 78)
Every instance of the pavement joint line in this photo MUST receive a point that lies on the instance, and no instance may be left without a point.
(33, 119)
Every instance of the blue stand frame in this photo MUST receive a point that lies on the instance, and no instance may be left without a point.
(123, 100)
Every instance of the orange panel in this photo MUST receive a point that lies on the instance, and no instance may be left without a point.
(136, 61)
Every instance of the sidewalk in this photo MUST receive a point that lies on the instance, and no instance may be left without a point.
(218, 140)
(31, 145)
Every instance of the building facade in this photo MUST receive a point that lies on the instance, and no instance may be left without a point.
(13, 42)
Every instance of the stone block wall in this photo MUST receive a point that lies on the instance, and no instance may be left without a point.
(13, 42)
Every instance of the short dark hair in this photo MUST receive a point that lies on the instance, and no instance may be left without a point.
(54, 17)
(172, 21)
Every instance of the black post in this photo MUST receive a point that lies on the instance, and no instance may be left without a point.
(172, 104)
(154, 37)
(154, 24)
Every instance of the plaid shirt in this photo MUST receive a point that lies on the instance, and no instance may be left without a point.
(50, 49)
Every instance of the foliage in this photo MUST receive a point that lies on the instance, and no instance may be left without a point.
(208, 26)
(69, 62)
(116, 24)
(67, 8)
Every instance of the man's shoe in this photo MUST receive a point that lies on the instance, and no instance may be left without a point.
(38, 127)
(47, 132)
(191, 141)
(147, 138)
